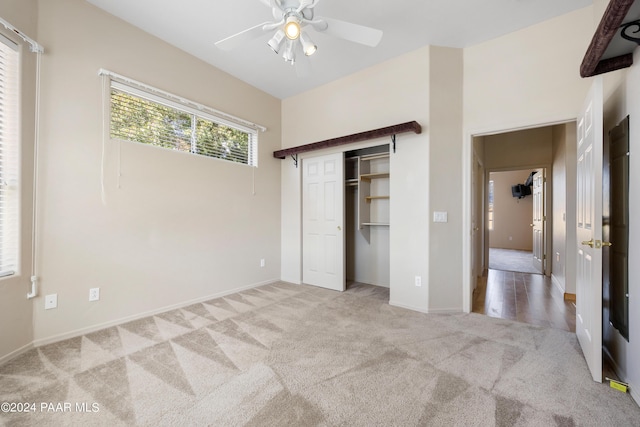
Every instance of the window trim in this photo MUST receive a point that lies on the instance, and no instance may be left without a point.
(237, 121)
(196, 110)
(131, 90)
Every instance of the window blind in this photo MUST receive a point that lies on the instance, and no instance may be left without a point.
(9, 156)
(140, 116)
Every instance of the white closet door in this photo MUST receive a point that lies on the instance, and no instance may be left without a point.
(323, 222)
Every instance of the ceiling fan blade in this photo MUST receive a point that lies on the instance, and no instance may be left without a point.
(307, 4)
(346, 30)
(238, 39)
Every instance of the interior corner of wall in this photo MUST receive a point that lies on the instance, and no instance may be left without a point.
(558, 284)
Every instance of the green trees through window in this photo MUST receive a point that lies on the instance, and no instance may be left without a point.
(141, 120)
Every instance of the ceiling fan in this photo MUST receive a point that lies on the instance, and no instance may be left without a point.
(291, 16)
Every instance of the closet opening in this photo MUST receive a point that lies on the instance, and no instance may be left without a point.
(367, 218)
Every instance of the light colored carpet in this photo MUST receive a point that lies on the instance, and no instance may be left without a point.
(511, 260)
(283, 355)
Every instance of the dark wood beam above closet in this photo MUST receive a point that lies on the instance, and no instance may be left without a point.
(615, 39)
(356, 137)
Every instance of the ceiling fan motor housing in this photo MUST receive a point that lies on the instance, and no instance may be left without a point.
(284, 8)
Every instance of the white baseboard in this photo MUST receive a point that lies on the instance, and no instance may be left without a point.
(635, 395)
(616, 368)
(7, 357)
(426, 311)
(408, 307)
(94, 328)
(446, 311)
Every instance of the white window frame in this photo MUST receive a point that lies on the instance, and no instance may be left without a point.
(196, 110)
(10, 154)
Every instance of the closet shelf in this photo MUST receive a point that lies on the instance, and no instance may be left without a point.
(370, 198)
(369, 176)
(374, 157)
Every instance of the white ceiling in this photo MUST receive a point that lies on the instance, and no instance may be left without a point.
(195, 25)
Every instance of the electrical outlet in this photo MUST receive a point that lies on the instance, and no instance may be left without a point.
(94, 294)
(262, 262)
(418, 281)
(50, 301)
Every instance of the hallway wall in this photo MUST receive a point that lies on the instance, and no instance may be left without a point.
(563, 266)
(511, 216)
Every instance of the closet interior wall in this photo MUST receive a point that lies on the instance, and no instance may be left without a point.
(367, 222)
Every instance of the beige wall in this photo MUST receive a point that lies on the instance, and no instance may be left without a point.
(528, 77)
(445, 178)
(478, 217)
(179, 227)
(527, 148)
(564, 209)
(394, 92)
(512, 216)
(525, 79)
(16, 311)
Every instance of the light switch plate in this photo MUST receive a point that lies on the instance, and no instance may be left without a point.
(440, 217)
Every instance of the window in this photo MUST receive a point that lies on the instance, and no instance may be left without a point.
(9, 156)
(139, 116)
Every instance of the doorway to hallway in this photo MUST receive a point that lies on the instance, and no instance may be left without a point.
(523, 297)
(516, 220)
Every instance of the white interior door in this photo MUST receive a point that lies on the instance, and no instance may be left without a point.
(323, 221)
(589, 230)
(538, 220)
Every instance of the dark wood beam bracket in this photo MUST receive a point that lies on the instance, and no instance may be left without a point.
(356, 137)
(613, 17)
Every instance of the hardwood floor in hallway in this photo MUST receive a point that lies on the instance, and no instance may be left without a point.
(528, 298)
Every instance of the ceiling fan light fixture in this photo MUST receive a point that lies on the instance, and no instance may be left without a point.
(292, 28)
(288, 53)
(308, 46)
(276, 41)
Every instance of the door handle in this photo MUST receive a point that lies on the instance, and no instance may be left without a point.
(339, 228)
(597, 243)
(588, 243)
(530, 225)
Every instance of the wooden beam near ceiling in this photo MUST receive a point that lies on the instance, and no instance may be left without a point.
(592, 64)
(348, 139)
